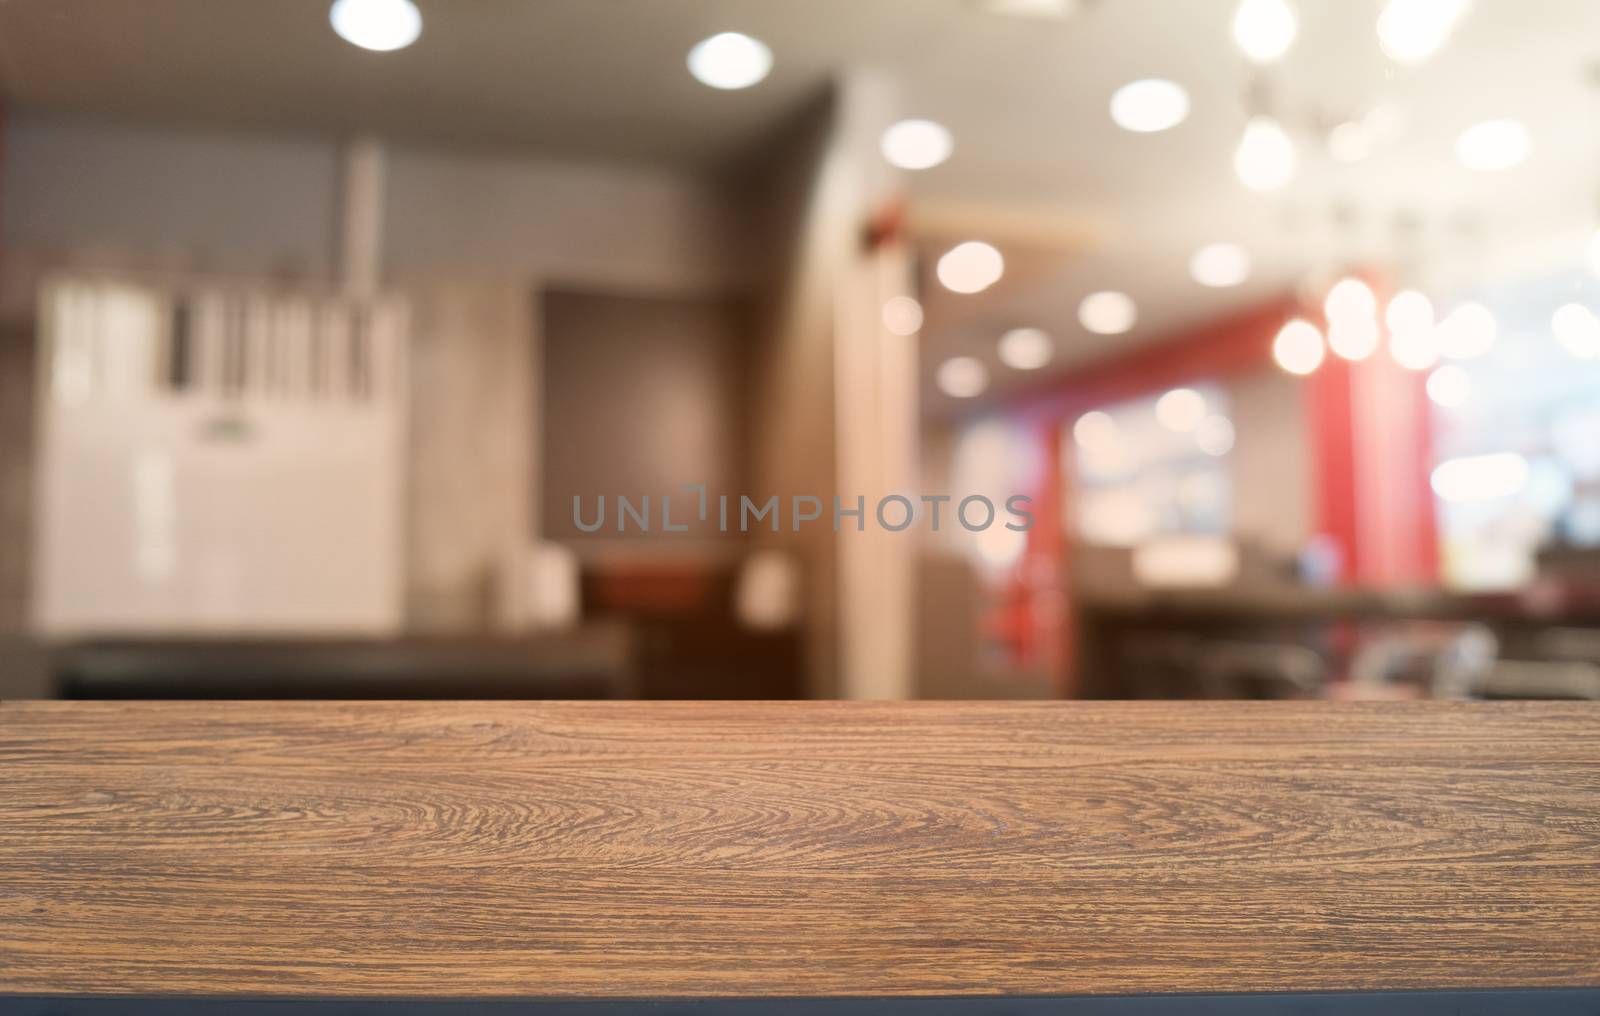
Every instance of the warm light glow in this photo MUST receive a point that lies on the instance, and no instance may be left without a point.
(916, 144)
(1026, 349)
(1095, 429)
(1107, 313)
(1215, 436)
(970, 267)
(1577, 328)
(1353, 338)
(1413, 339)
(1298, 348)
(1264, 29)
(1350, 299)
(1181, 410)
(1410, 31)
(1150, 105)
(380, 25)
(730, 61)
(1493, 145)
(902, 315)
(1468, 331)
(1409, 310)
(1594, 253)
(1265, 159)
(962, 377)
(1480, 477)
(1220, 265)
(1350, 142)
(1450, 386)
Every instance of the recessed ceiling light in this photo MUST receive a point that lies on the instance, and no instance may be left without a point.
(1467, 332)
(1350, 299)
(1353, 338)
(1220, 265)
(970, 267)
(1181, 410)
(1450, 386)
(1265, 159)
(1026, 349)
(1577, 328)
(1298, 347)
(1410, 31)
(1493, 145)
(916, 144)
(730, 60)
(1413, 339)
(1215, 436)
(1151, 105)
(1095, 429)
(1264, 29)
(962, 377)
(379, 25)
(1107, 313)
(902, 315)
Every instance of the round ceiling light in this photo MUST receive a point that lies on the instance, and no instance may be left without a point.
(1220, 265)
(1493, 145)
(1265, 159)
(1467, 332)
(902, 315)
(1107, 313)
(1149, 105)
(1450, 386)
(1298, 348)
(970, 267)
(1264, 29)
(730, 60)
(1026, 349)
(1182, 410)
(962, 377)
(916, 144)
(1578, 329)
(378, 25)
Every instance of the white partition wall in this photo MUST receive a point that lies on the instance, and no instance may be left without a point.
(218, 460)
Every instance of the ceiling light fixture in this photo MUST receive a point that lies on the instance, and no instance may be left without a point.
(1265, 159)
(1353, 338)
(902, 315)
(1493, 145)
(1467, 332)
(1220, 265)
(729, 61)
(1026, 349)
(1298, 347)
(1181, 410)
(962, 377)
(970, 267)
(1413, 339)
(1410, 31)
(379, 25)
(1108, 313)
(1578, 329)
(916, 144)
(1450, 386)
(1264, 29)
(1150, 105)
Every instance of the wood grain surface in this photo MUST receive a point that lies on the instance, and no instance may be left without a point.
(649, 849)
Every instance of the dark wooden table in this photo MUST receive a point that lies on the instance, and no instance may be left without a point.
(567, 850)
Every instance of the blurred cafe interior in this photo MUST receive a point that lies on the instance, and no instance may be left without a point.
(326, 328)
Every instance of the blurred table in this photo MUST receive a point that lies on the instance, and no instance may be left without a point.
(715, 850)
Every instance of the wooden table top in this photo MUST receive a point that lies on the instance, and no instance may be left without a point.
(726, 849)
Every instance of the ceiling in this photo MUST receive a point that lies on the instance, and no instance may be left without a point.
(1076, 203)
